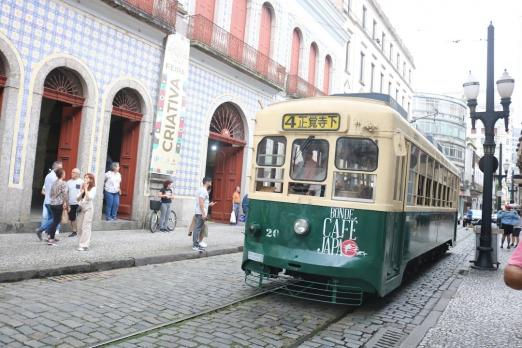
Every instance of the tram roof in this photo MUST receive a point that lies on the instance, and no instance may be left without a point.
(372, 105)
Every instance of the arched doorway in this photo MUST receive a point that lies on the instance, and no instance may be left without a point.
(3, 80)
(124, 135)
(59, 127)
(225, 158)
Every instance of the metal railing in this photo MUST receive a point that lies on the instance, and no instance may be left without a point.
(163, 10)
(204, 31)
(300, 88)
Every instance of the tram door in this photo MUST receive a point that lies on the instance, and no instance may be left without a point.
(395, 228)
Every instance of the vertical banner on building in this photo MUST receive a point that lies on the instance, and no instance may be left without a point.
(169, 123)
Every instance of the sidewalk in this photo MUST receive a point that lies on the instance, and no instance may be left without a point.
(483, 312)
(23, 256)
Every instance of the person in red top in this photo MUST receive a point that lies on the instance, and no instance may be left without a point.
(513, 271)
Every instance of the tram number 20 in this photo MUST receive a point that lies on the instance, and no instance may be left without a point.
(272, 233)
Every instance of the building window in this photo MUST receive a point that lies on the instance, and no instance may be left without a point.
(361, 71)
(389, 88)
(391, 51)
(374, 28)
(347, 61)
(404, 69)
(383, 39)
(364, 17)
(409, 75)
(402, 103)
(372, 72)
(348, 5)
(397, 94)
(381, 83)
(398, 60)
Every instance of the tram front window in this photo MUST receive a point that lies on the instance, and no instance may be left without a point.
(355, 154)
(309, 163)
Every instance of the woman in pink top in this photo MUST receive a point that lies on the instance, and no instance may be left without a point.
(513, 271)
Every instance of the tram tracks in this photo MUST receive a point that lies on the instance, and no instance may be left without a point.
(182, 320)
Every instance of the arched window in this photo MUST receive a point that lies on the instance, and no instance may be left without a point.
(265, 37)
(64, 85)
(127, 104)
(265, 32)
(312, 62)
(327, 74)
(226, 123)
(237, 29)
(296, 48)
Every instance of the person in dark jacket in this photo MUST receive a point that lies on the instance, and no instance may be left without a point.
(244, 205)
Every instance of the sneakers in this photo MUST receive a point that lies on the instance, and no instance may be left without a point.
(74, 234)
(202, 244)
(51, 242)
(198, 248)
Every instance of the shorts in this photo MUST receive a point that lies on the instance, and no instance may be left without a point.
(516, 232)
(508, 229)
(72, 213)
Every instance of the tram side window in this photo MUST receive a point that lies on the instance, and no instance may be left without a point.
(355, 154)
(412, 175)
(270, 156)
(309, 163)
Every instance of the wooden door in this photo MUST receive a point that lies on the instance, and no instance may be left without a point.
(294, 62)
(265, 36)
(237, 29)
(128, 158)
(312, 65)
(204, 20)
(227, 175)
(327, 72)
(69, 137)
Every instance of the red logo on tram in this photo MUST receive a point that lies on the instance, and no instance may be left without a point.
(349, 248)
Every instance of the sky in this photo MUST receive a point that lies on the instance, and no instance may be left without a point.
(447, 38)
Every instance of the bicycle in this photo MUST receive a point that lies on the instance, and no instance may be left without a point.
(154, 218)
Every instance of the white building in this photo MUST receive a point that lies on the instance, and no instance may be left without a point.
(376, 58)
(244, 55)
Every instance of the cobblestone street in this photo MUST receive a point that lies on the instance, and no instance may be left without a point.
(89, 309)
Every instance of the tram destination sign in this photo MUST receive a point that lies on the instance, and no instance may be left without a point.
(317, 122)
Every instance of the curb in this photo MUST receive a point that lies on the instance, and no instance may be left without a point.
(98, 266)
(417, 335)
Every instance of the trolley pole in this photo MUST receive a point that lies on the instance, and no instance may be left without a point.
(488, 164)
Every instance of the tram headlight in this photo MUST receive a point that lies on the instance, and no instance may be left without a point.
(301, 226)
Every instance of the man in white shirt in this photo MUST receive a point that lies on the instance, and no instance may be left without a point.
(47, 217)
(112, 191)
(201, 211)
(74, 184)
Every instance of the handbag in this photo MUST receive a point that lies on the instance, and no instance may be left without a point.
(65, 217)
(233, 217)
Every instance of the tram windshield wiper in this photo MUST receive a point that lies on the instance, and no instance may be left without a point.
(302, 149)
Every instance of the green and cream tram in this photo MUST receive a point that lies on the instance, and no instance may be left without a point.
(344, 194)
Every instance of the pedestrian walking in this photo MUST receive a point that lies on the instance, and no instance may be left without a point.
(244, 206)
(74, 185)
(166, 196)
(47, 215)
(236, 201)
(59, 203)
(85, 203)
(513, 271)
(509, 219)
(516, 231)
(112, 191)
(201, 211)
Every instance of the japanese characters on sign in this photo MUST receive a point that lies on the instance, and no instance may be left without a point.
(326, 122)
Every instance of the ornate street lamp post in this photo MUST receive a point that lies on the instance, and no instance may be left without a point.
(488, 163)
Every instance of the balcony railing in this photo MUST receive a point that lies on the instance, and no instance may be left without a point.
(163, 11)
(204, 31)
(300, 88)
